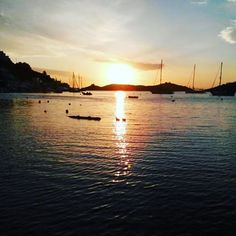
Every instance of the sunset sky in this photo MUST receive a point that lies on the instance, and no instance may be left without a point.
(90, 36)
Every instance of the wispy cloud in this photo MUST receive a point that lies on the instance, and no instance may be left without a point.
(91, 25)
(199, 2)
(134, 64)
(229, 33)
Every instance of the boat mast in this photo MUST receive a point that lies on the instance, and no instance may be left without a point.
(161, 71)
(79, 81)
(194, 70)
(73, 81)
(221, 67)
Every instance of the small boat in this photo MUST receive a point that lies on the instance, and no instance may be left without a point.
(86, 117)
(132, 96)
(161, 89)
(87, 93)
(222, 90)
(192, 90)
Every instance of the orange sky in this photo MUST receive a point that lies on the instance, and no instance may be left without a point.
(88, 37)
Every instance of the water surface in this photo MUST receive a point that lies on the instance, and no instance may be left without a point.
(169, 169)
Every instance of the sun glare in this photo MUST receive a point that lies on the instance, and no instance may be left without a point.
(120, 74)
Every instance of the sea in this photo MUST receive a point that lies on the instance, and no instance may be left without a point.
(153, 165)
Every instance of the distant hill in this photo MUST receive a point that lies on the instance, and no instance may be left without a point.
(127, 87)
(19, 77)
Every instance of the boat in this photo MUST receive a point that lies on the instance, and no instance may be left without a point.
(75, 87)
(222, 90)
(132, 96)
(78, 117)
(192, 90)
(87, 93)
(161, 89)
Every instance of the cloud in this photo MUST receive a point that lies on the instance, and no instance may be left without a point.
(229, 33)
(234, 1)
(136, 65)
(199, 2)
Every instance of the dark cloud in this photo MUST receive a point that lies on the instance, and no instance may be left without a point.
(136, 65)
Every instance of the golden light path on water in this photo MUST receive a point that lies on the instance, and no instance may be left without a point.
(120, 129)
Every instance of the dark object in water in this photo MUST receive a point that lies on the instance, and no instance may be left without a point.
(47, 101)
(132, 96)
(222, 90)
(173, 100)
(39, 101)
(86, 117)
(69, 104)
(121, 119)
(162, 91)
(45, 111)
(67, 111)
(86, 93)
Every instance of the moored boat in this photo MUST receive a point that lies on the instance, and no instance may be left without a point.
(78, 117)
(222, 90)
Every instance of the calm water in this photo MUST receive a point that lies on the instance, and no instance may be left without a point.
(170, 169)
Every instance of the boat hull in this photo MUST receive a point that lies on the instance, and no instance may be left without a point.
(96, 118)
(223, 93)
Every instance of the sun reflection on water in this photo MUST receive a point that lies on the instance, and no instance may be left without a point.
(120, 129)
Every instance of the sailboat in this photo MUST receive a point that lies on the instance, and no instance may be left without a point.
(222, 90)
(86, 93)
(74, 84)
(193, 89)
(162, 88)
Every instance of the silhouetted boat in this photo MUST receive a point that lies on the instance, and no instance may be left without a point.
(193, 89)
(161, 89)
(132, 96)
(87, 93)
(86, 117)
(222, 90)
(75, 88)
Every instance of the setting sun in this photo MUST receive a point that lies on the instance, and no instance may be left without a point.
(120, 74)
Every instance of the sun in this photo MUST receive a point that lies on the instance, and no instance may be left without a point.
(120, 74)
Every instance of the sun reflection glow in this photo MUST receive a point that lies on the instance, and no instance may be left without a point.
(120, 129)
